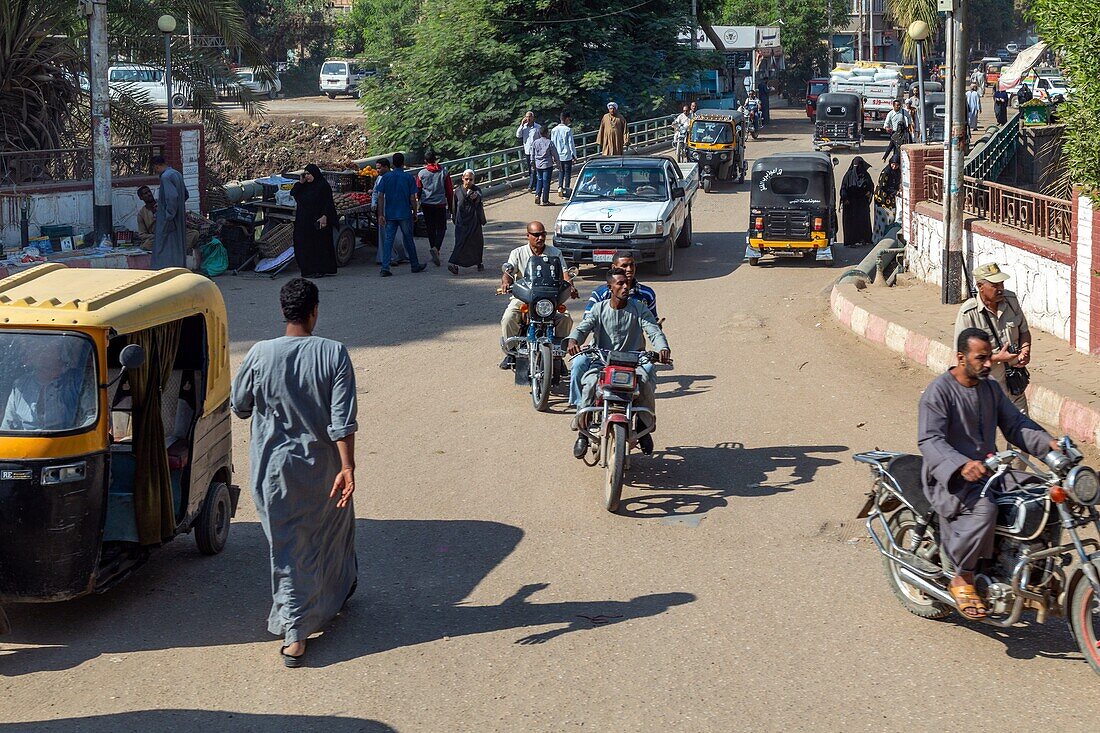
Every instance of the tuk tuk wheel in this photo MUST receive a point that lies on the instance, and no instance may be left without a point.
(212, 524)
(708, 185)
(754, 261)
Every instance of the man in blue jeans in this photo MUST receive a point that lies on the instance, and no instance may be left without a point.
(396, 209)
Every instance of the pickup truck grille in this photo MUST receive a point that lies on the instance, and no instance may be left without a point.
(787, 225)
(607, 227)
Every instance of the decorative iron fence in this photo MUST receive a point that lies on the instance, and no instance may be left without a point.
(72, 164)
(993, 151)
(508, 165)
(1025, 211)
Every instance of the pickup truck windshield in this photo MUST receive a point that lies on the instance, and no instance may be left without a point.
(711, 133)
(623, 184)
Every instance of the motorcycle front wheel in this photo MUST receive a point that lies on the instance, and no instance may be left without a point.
(902, 525)
(616, 464)
(542, 364)
(1084, 620)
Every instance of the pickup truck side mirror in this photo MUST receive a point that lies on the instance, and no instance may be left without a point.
(678, 192)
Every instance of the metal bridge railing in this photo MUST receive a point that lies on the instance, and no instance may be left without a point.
(506, 166)
(993, 151)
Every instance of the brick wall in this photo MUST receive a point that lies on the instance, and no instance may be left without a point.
(184, 149)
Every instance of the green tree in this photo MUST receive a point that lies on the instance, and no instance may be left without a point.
(1072, 28)
(374, 27)
(282, 25)
(474, 66)
(906, 12)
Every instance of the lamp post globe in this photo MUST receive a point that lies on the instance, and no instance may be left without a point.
(166, 24)
(918, 30)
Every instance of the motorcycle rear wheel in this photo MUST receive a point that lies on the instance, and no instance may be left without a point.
(915, 601)
(542, 366)
(1084, 619)
(616, 464)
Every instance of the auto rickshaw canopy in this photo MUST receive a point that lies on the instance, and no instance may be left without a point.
(121, 302)
(806, 180)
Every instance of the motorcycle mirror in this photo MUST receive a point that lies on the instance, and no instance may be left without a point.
(507, 268)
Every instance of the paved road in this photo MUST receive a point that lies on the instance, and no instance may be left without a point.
(315, 107)
(733, 593)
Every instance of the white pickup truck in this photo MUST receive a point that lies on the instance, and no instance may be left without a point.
(878, 97)
(640, 204)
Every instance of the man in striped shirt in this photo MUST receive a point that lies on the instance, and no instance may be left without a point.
(638, 292)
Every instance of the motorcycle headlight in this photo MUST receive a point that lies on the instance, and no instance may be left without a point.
(544, 308)
(623, 379)
(567, 227)
(1083, 485)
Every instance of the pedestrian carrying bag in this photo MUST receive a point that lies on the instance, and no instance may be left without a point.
(1016, 378)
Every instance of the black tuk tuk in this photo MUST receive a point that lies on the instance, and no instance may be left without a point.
(839, 121)
(792, 204)
(935, 116)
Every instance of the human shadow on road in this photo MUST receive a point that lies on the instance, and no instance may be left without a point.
(683, 385)
(1030, 640)
(224, 721)
(699, 478)
(414, 578)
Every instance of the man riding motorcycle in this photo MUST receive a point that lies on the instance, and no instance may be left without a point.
(624, 260)
(751, 110)
(511, 324)
(617, 324)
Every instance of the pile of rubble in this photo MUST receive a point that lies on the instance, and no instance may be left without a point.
(273, 147)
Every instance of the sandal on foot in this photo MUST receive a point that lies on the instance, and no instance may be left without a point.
(453, 269)
(967, 601)
(289, 660)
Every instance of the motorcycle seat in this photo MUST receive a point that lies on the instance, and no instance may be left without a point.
(906, 472)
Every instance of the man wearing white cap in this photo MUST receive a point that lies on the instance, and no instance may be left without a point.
(997, 312)
(613, 135)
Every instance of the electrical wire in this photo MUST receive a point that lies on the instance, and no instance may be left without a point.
(569, 20)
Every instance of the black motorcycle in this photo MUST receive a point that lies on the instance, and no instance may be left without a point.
(539, 360)
(1033, 566)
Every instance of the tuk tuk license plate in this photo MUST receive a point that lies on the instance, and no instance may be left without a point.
(602, 255)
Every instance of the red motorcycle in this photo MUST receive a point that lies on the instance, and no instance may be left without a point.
(611, 427)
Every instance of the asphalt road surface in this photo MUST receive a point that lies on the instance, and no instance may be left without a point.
(735, 591)
(314, 107)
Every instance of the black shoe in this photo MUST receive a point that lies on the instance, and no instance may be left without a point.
(480, 267)
(387, 273)
(420, 268)
(646, 443)
(509, 362)
(581, 446)
(435, 256)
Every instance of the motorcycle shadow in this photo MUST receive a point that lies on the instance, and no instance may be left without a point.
(709, 475)
(1028, 639)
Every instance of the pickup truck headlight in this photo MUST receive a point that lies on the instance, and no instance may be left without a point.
(649, 228)
(567, 227)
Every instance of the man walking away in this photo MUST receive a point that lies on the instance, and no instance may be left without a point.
(613, 135)
(543, 154)
(527, 133)
(170, 237)
(562, 137)
(437, 197)
(399, 256)
(396, 209)
(973, 106)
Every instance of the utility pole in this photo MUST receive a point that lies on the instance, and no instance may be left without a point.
(829, 66)
(953, 154)
(871, 29)
(859, 51)
(103, 223)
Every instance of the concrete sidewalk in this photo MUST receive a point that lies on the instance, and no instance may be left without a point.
(909, 319)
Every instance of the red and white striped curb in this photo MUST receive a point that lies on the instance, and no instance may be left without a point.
(1075, 419)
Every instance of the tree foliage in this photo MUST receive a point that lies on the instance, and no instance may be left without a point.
(279, 25)
(1072, 28)
(471, 68)
(906, 12)
(43, 57)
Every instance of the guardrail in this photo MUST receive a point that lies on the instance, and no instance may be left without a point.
(1033, 213)
(993, 150)
(506, 166)
(72, 164)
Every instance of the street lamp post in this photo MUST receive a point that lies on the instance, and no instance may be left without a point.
(918, 31)
(167, 26)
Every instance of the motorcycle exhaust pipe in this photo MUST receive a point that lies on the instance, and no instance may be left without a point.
(908, 576)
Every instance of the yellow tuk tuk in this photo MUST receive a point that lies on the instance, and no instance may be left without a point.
(115, 431)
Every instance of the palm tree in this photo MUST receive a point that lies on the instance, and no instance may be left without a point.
(43, 61)
(905, 12)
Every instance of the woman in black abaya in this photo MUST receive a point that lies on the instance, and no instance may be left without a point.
(314, 219)
(856, 191)
(469, 219)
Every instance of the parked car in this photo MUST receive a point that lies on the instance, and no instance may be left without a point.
(343, 76)
(247, 77)
(1043, 87)
(140, 78)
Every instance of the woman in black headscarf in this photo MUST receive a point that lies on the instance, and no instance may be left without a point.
(886, 196)
(856, 191)
(314, 219)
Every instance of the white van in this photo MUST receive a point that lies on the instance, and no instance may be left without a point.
(342, 76)
(131, 78)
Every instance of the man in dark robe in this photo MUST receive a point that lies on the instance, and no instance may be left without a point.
(958, 420)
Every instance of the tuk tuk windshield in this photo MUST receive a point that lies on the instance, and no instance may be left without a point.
(623, 184)
(708, 132)
(47, 383)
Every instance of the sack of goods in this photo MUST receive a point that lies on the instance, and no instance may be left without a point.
(886, 75)
(841, 75)
(864, 72)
